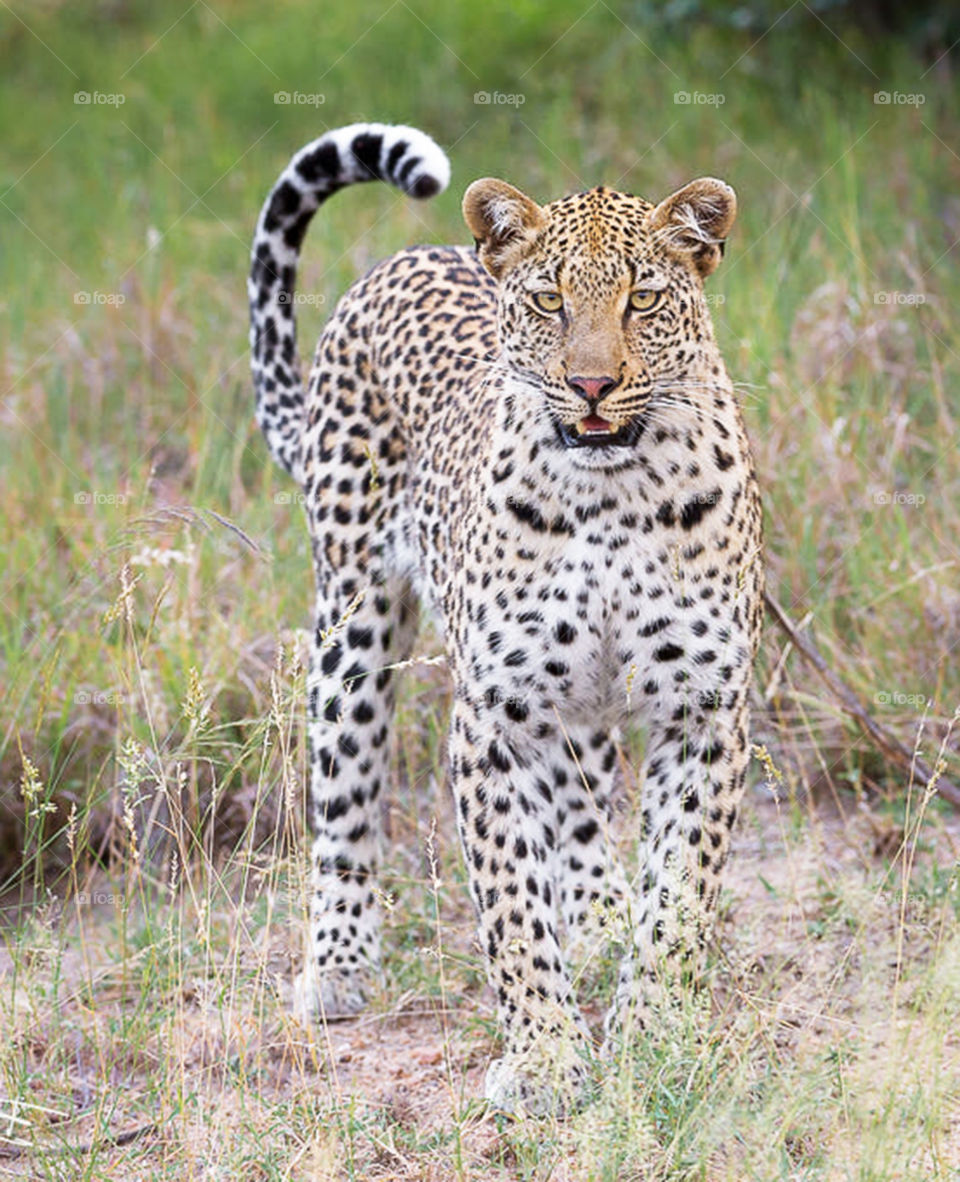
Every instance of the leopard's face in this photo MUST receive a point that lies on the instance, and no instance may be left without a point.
(603, 321)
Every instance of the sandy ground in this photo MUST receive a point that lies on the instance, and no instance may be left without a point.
(814, 947)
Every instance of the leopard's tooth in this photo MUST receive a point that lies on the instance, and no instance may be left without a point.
(614, 428)
(581, 429)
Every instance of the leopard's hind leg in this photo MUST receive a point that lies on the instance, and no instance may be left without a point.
(366, 624)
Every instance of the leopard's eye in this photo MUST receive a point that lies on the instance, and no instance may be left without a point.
(645, 301)
(548, 301)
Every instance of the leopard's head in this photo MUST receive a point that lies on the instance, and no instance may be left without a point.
(603, 321)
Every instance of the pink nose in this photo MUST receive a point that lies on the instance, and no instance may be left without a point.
(593, 389)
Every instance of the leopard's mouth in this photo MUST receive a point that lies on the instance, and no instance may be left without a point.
(594, 431)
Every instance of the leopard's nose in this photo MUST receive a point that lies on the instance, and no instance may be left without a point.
(593, 389)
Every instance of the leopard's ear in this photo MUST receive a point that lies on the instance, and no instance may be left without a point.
(695, 221)
(502, 221)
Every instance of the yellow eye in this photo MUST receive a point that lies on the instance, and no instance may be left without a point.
(548, 301)
(645, 301)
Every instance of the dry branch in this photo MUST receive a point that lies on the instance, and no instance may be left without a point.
(850, 704)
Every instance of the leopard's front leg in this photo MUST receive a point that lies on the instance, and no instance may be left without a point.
(694, 774)
(509, 837)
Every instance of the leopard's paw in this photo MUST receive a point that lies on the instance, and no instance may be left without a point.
(340, 993)
(511, 1086)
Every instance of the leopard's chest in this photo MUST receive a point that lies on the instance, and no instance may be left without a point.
(570, 629)
(596, 604)
(599, 617)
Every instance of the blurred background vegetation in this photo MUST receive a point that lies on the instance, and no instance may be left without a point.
(154, 564)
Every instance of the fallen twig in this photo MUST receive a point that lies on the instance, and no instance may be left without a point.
(110, 1141)
(851, 705)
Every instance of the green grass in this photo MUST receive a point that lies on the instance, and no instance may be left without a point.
(155, 576)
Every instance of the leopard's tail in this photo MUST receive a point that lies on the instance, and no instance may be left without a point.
(361, 152)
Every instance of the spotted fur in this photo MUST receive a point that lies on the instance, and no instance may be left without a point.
(571, 491)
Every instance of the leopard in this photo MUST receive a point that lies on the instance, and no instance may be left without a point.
(533, 441)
